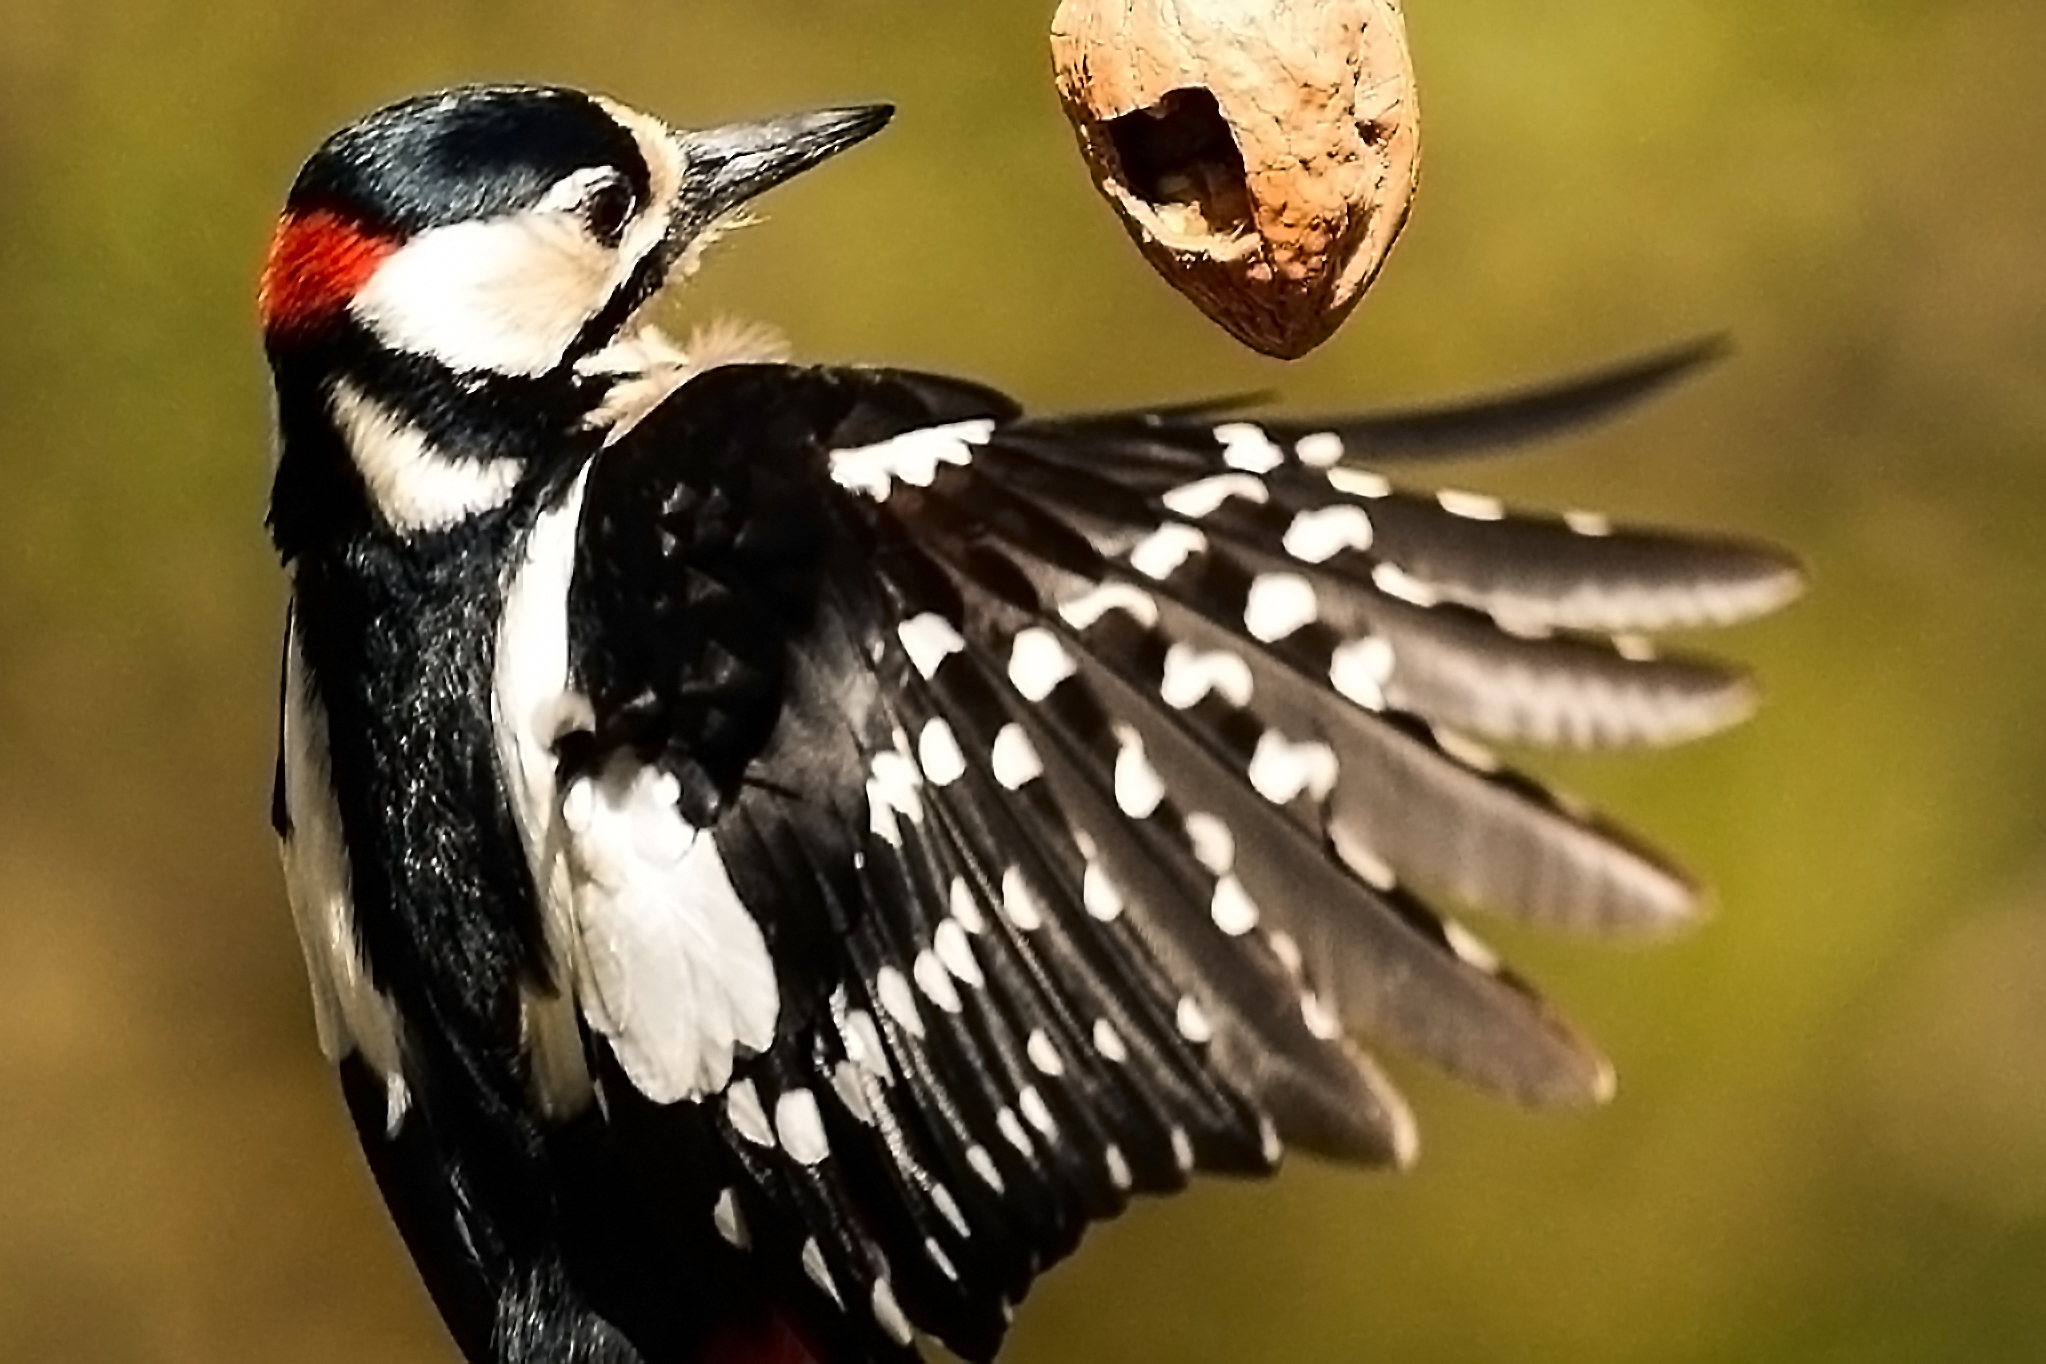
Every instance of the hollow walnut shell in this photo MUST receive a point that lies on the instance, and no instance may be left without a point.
(1261, 153)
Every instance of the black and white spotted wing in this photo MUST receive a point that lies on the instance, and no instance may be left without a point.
(1083, 779)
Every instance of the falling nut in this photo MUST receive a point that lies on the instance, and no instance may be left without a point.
(1262, 153)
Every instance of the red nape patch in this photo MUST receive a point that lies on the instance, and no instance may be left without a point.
(761, 1340)
(317, 262)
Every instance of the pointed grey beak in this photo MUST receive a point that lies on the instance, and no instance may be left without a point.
(730, 165)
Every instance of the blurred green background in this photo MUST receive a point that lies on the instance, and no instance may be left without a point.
(1830, 1140)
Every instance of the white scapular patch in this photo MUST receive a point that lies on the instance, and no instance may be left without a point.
(1019, 902)
(935, 981)
(955, 950)
(1160, 554)
(1245, 446)
(1360, 668)
(1397, 583)
(1191, 673)
(1118, 1166)
(1359, 483)
(1014, 759)
(729, 1221)
(1204, 496)
(1319, 450)
(670, 966)
(1214, 846)
(888, 1312)
(1109, 1042)
(1471, 506)
(748, 1118)
(800, 1126)
(1038, 662)
(1192, 1021)
(912, 457)
(937, 750)
(1281, 769)
(1138, 787)
(1232, 909)
(929, 639)
(1320, 533)
(892, 989)
(1278, 604)
(349, 1014)
(415, 485)
(1097, 601)
(1043, 1054)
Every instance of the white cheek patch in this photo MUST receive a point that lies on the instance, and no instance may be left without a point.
(506, 295)
(415, 484)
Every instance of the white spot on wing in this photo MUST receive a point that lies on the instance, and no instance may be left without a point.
(1359, 483)
(1043, 1053)
(1109, 1042)
(1192, 673)
(893, 991)
(1213, 845)
(801, 1127)
(929, 639)
(1470, 506)
(1203, 496)
(1319, 534)
(1038, 662)
(1012, 1131)
(1097, 601)
(1182, 1149)
(1278, 604)
(1192, 1021)
(1281, 769)
(819, 1272)
(1320, 450)
(955, 950)
(1100, 894)
(1319, 1019)
(888, 1312)
(1588, 523)
(1360, 668)
(935, 980)
(1160, 554)
(748, 1118)
(1014, 759)
(1138, 787)
(729, 1221)
(912, 457)
(1401, 585)
(863, 1044)
(1036, 1112)
(1118, 1166)
(937, 750)
(984, 1165)
(1019, 902)
(1245, 446)
(959, 898)
(1232, 909)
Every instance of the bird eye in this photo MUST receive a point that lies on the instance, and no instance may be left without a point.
(606, 209)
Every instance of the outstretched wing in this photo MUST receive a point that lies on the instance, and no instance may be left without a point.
(976, 820)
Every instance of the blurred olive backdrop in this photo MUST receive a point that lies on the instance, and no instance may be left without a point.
(1830, 1139)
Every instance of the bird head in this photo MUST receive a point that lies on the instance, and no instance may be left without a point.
(509, 230)
(449, 270)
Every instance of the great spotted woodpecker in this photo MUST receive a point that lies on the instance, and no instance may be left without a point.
(779, 850)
